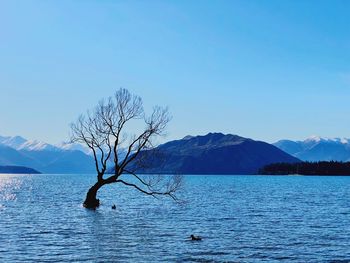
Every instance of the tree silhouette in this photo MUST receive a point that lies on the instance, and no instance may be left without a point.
(104, 130)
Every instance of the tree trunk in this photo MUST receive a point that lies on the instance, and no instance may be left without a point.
(91, 201)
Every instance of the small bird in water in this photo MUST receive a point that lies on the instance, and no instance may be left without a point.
(195, 238)
(114, 207)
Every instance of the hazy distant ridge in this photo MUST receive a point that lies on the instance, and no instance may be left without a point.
(47, 158)
(317, 149)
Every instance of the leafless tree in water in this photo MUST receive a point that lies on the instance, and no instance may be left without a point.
(104, 131)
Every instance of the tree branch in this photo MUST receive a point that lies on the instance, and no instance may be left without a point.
(154, 194)
(103, 129)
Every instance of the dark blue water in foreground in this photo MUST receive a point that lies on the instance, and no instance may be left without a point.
(241, 219)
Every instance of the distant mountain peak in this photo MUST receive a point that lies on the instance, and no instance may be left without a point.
(35, 145)
(345, 141)
(317, 148)
(12, 141)
(21, 144)
(211, 139)
(215, 153)
(216, 135)
(315, 138)
(18, 138)
(74, 147)
(65, 158)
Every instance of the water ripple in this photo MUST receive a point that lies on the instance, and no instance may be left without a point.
(241, 219)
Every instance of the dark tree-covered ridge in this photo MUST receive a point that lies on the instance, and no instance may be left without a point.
(307, 168)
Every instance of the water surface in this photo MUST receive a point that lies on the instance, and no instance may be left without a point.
(241, 219)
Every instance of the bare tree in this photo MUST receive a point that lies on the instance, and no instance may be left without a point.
(103, 130)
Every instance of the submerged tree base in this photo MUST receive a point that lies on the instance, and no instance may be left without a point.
(91, 202)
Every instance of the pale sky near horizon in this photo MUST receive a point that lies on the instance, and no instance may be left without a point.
(267, 70)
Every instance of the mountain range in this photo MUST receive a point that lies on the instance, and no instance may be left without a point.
(19, 143)
(207, 154)
(214, 153)
(44, 157)
(317, 149)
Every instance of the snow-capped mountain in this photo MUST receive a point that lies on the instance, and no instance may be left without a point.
(47, 158)
(318, 139)
(37, 146)
(20, 143)
(13, 142)
(317, 148)
(73, 147)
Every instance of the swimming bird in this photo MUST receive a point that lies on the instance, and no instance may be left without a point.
(195, 238)
(114, 207)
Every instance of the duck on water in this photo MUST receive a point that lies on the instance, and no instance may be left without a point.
(196, 238)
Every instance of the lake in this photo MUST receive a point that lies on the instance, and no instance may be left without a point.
(241, 219)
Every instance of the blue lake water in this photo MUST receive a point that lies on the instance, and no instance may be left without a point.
(241, 219)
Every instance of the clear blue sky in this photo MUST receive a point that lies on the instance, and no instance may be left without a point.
(263, 69)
